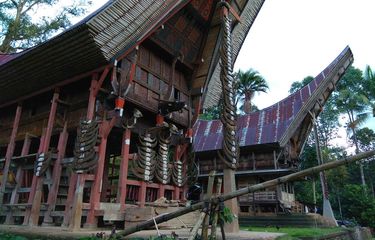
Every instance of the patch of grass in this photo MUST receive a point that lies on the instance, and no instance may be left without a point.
(293, 232)
(8, 236)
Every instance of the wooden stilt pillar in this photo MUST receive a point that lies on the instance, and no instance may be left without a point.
(124, 165)
(105, 183)
(232, 204)
(176, 193)
(73, 208)
(36, 201)
(75, 202)
(33, 186)
(9, 152)
(96, 189)
(19, 177)
(56, 175)
(161, 191)
(69, 199)
(142, 194)
(75, 223)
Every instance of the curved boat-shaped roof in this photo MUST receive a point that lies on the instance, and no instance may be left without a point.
(108, 34)
(281, 121)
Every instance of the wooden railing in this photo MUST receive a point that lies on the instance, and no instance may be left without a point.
(259, 196)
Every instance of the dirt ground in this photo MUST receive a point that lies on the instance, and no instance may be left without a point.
(63, 233)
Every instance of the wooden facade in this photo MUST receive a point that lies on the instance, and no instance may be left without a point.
(129, 72)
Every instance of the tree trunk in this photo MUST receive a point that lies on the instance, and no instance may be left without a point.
(5, 46)
(339, 202)
(247, 106)
(357, 150)
(247, 103)
(360, 163)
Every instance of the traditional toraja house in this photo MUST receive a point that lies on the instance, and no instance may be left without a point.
(100, 117)
(270, 140)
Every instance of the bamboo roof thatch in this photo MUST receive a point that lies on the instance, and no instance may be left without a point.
(108, 33)
(91, 43)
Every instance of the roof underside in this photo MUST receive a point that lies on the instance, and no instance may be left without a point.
(279, 122)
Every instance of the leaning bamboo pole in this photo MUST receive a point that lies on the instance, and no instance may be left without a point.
(243, 191)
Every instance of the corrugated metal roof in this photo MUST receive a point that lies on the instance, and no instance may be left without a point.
(272, 124)
(4, 58)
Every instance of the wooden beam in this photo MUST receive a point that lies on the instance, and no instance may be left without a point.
(10, 152)
(96, 188)
(210, 188)
(19, 177)
(56, 175)
(44, 147)
(70, 199)
(101, 80)
(124, 165)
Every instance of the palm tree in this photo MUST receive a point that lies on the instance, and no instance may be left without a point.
(369, 87)
(247, 84)
(352, 100)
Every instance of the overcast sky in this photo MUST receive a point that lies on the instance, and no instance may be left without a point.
(292, 39)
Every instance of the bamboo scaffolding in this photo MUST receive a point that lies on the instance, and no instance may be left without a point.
(243, 191)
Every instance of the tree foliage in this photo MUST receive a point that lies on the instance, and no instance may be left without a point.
(21, 29)
(358, 206)
(366, 139)
(354, 97)
(247, 84)
(298, 85)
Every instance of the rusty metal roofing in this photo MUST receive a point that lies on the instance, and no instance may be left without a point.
(278, 122)
(4, 58)
(88, 45)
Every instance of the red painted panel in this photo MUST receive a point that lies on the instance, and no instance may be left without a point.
(195, 35)
(181, 23)
(203, 7)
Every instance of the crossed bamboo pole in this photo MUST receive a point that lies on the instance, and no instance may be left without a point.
(215, 200)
